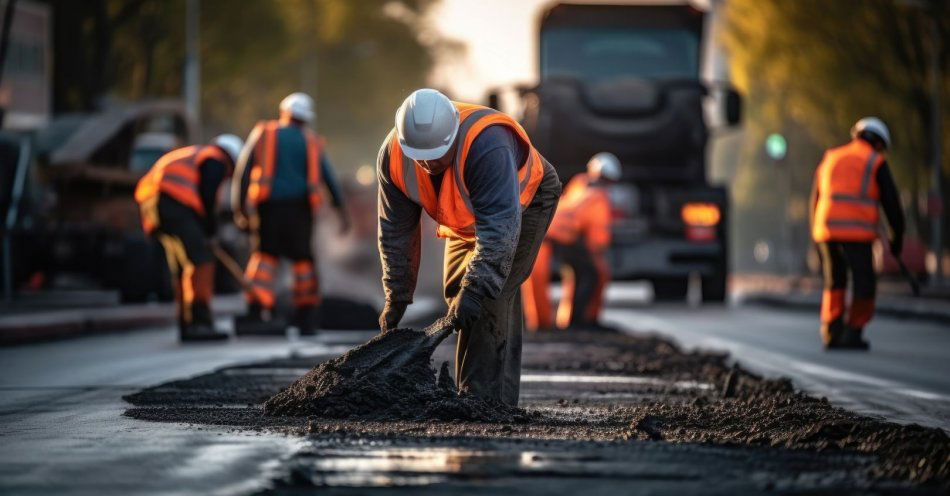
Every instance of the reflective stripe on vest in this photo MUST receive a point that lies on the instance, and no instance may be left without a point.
(264, 168)
(847, 210)
(452, 207)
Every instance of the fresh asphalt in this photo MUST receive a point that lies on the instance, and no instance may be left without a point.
(63, 432)
(905, 377)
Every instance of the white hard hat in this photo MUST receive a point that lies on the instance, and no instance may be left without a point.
(426, 124)
(299, 105)
(231, 144)
(872, 125)
(605, 165)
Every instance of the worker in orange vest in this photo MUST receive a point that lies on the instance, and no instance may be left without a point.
(474, 171)
(177, 199)
(850, 183)
(276, 194)
(579, 237)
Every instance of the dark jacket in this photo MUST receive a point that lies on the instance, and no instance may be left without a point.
(491, 176)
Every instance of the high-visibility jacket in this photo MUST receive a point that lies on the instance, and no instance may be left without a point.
(177, 174)
(451, 207)
(583, 210)
(265, 164)
(848, 194)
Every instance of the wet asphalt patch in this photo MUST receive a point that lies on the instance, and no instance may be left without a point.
(610, 395)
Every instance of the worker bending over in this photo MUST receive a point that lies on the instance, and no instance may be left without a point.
(474, 171)
(578, 237)
(849, 184)
(276, 195)
(177, 199)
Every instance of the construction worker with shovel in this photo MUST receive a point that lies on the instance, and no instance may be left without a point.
(276, 195)
(177, 199)
(850, 182)
(578, 237)
(474, 171)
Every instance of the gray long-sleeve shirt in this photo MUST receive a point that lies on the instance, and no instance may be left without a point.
(491, 176)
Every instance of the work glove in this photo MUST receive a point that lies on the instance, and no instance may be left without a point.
(465, 311)
(391, 315)
(897, 245)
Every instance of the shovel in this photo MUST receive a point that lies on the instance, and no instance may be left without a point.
(338, 387)
(395, 349)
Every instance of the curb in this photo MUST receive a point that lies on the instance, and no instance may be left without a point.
(919, 309)
(35, 333)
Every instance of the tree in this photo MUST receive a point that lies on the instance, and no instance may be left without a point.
(357, 59)
(811, 68)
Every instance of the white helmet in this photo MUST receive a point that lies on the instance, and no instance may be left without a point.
(299, 105)
(426, 124)
(874, 126)
(231, 144)
(605, 165)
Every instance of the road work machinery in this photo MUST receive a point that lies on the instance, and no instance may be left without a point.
(626, 79)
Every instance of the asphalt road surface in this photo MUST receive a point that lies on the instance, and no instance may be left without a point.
(905, 377)
(63, 432)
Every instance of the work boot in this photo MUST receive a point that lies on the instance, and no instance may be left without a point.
(201, 326)
(852, 340)
(832, 334)
(259, 321)
(307, 319)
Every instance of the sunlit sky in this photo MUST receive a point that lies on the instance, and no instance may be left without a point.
(501, 43)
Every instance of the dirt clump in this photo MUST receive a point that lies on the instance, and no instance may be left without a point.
(387, 378)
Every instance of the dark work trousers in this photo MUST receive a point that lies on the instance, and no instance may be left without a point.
(283, 230)
(838, 261)
(488, 356)
(581, 282)
(181, 233)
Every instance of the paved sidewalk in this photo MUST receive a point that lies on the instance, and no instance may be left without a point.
(27, 324)
(893, 299)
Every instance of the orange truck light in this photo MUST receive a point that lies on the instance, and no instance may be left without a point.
(700, 214)
(701, 220)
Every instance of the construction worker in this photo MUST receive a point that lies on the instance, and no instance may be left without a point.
(177, 199)
(276, 195)
(849, 184)
(579, 237)
(474, 171)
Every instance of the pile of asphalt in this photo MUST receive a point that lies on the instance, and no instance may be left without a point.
(387, 378)
(732, 408)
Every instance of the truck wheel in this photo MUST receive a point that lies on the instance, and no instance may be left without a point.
(672, 289)
(714, 286)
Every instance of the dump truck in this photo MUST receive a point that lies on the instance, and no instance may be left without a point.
(626, 78)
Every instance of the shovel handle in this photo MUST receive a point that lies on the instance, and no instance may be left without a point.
(231, 265)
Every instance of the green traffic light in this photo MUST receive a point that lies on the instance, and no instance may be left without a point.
(775, 146)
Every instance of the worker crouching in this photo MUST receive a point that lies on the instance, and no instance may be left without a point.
(850, 183)
(177, 198)
(578, 238)
(276, 195)
(474, 171)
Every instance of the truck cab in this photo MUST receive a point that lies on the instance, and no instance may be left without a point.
(626, 79)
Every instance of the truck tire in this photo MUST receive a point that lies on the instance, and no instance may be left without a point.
(670, 289)
(714, 286)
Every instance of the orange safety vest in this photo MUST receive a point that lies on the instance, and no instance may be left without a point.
(847, 207)
(452, 206)
(582, 209)
(177, 174)
(265, 163)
